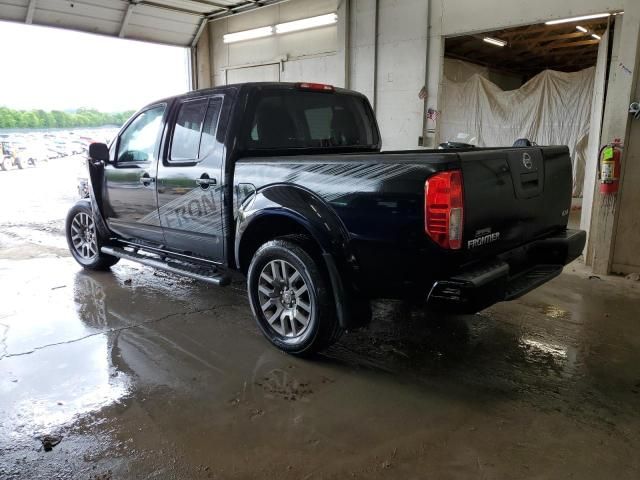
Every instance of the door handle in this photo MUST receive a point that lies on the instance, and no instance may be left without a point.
(205, 182)
(146, 180)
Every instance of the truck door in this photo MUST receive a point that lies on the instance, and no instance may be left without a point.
(131, 207)
(190, 190)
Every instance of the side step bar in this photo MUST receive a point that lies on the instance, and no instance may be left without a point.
(199, 272)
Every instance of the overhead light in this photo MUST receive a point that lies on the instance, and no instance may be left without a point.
(582, 29)
(247, 34)
(577, 19)
(494, 41)
(306, 23)
(596, 36)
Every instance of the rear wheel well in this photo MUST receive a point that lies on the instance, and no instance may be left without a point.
(269, 228)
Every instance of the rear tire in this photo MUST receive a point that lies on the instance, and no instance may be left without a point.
(6, 164)
(83, 239)
(290, 299)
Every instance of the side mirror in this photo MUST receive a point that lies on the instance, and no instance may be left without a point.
(99, 151)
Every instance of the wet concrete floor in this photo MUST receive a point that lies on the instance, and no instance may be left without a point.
(140, 374)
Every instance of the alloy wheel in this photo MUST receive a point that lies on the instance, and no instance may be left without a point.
(83, 236)
(284, 298)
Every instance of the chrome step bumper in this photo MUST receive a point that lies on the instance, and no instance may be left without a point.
(507, 276)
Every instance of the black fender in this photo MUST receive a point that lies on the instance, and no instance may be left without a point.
(313, 214)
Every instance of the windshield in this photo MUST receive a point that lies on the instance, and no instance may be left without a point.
(282, 118)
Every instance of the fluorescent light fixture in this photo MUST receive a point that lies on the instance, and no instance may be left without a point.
(494, 41)
(306, 23)
(582, 29)
(596, 36)
(247, 34)
(577, 19)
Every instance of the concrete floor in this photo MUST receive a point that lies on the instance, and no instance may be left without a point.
(146, 375)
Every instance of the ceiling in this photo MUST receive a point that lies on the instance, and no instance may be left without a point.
(532, 48)
(172, 22)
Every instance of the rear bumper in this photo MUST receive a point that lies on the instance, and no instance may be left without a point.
(508, 276)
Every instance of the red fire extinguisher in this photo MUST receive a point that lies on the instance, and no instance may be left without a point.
(609, 166)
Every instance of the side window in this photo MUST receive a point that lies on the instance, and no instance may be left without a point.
(187, 130)
(208, 141)
(139, 141)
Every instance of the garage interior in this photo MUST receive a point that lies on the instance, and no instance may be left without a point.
(146, 375)
(509, 59)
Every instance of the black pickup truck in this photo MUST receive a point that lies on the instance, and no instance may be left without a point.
(286, 183)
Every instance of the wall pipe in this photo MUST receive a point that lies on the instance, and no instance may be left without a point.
(375, 56)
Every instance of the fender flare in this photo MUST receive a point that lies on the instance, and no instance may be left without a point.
(318, 218)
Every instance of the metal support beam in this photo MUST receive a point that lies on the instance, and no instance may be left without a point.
(247, 6)
(211, 4)
(31, 9)
(162, 6)
(196, 37)
(125, 19)
(344, 39)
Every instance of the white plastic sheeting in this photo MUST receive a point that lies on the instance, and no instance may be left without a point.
(553, 108)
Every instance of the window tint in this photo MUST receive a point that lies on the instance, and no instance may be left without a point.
(297, 119)
(319, 121)
(208, 141)
(186, 134)
(138, 142)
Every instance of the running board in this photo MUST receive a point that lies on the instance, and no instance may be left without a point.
(199, 272)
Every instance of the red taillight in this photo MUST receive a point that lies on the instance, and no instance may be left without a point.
(316, 87)
(444, 209)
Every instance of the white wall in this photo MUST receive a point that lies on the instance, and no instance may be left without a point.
(393, 84)
(402, 46)
(308, 56)
(319, 55)
(394, 81)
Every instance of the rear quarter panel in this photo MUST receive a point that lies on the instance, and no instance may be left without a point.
(379, 198)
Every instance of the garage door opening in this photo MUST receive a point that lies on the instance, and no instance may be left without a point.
(61, 90)
(544, 83)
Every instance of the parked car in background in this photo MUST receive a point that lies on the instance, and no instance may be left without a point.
(7, 160)
(22, 155)
(30, 154)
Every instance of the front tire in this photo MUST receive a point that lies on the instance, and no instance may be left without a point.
(83, 239)
(290, 299)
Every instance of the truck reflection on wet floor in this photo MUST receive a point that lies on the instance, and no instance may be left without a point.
(479, 350)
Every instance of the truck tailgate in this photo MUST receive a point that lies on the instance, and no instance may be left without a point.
(513, 196)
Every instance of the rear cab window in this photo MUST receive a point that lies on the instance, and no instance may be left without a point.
(285, 118)
(194, 130)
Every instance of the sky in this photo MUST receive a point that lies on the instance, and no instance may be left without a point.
(53, 69)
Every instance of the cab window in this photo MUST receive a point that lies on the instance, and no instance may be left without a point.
(139, 141)
(283, 118)
(194, 132)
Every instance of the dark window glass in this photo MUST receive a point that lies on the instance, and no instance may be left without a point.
(297, 119)
(319, 121)
(186, 134)
(208, 141)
